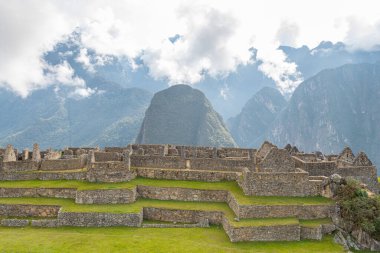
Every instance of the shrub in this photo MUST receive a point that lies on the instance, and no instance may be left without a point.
(358, 209)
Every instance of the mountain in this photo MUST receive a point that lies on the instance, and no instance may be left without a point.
(327, 55)
(183, 115)
(249, 126)
(227, 93)
(335, 108)
(111, 116)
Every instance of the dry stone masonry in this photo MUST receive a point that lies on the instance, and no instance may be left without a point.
(268, 171)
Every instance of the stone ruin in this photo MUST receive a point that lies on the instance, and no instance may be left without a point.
(268, 171)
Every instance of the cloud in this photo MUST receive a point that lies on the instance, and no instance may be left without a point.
(214, 36)
(28, 30)
(63, 74)
(287, 33)
(207, 44)
(283, 73)
(91, 61)
(362, 34)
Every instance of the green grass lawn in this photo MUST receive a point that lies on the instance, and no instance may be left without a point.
(265, 222)
(315, 222)
(233, 187)
(69, 205)
(105, 240)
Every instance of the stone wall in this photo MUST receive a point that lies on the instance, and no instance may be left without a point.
(20, 166)
(183, 194)
(115, 149)
(278, 211)
(15, 210)
(38, 192)
(236, 152)
(364, 174)
(44, 175)
(262, 233)
(107, 156)
(45, 223)
(312, 233)
(99, 219)
(150, 149)
(106, 196)
(14, 222)
(110, 172)
(61, 164)
(197, 175)
(275, 183)
(323, 168)
(277, 160)
(182, 216)
(220, 164)
(167, 162)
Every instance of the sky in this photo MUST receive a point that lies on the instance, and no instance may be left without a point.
(207, 37)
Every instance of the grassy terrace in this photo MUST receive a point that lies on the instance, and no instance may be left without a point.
(265, 222)
(315, 222)
(104, 240)
(70, 206)
(229, 186)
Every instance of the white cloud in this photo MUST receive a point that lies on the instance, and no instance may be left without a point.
(215, 35)
(85, 60)
(287, 33)
(207, 44)
(362, 34)
(224, 92)
(284, 73)
(90, 62)
(63, 74)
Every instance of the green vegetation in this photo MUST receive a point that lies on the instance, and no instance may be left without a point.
(358, 209)
(315, 222)
(265, 222)
(233, 187)
(63, 240)
(68, 205)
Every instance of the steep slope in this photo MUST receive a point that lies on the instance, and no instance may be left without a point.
(249, 126)
(110, 117)
(183, 115)
(337, 107)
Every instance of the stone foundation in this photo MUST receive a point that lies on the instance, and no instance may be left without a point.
(18, 210)
(99, 219)
(191, 175)
(262, 233)
(313, 233)
(110, 172)
(38, 192)
(112, 196)
(183, 194)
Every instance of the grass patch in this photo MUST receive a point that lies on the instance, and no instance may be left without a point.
(52, 171)
(68, 205)
(315, 222)
(233, 187)
(104, 240)
(265, 222)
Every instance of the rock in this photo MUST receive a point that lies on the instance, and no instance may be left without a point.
(335, 178)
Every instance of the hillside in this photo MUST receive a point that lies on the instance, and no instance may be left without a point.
(112, 116)
(249, 126)
(335, 108)
(183, 115)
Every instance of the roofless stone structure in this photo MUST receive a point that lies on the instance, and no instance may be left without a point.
(268, 171)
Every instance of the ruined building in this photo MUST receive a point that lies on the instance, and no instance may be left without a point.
(267, 171)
